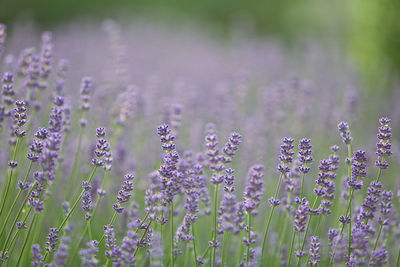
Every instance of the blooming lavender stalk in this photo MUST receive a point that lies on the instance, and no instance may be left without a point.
(170, 177)
(37, 257)
(314, 251)
(300, 222)
(386, 207)
(285, 158)
(305, 158)
(88, 256)
(113, 252)
(383, 146)
(20, 119)
(252, 197)
(85, 91)
(102, 147)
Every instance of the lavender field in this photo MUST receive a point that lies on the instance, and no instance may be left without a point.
(150, 145)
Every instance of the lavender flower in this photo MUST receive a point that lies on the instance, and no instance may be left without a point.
(386, 207)
(60, 257)
(128, 247)
(88, 256)
(383, 145)
(379, 258)
(301, 217)
(86, 89)
(170, 177)
(213, 153)
(52, 239)
(112, 250)
(358, 169)
(325, 187)
(286, 156)
(314, 251)
(125, 193)
(231, 147)
(344, 131)
(46, 58)
(37, 257)
(254, 190)
(305, 155)
(370, 202)
(102, 147)
(8, 89)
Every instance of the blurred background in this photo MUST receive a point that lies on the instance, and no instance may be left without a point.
(367, 30)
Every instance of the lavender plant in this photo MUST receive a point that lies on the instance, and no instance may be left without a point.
(66, 197)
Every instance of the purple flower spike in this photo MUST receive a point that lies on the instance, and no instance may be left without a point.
(254, 190)
(286, 156)
(344, 131)
(314, 251)
(383, 146)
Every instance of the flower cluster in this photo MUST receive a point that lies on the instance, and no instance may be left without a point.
(305, 154)
(358, 169)
(254, 190)
(344, 131)
(383, 146)
(102, 147)
(325, 186)
(125, 193)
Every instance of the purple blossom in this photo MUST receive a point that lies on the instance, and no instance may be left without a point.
(125, 193)
(60, 257)
(8, 90)
(314, 251)
(301, 217)
(112, 250)
(37, 257)
(88, 256)
(102, 147)
(344, 131)
(286, 156)
(383, 146)
(52, 239)
(254, 189)
(305, 154)
(358, 169)
(369, 206)
(379, 258)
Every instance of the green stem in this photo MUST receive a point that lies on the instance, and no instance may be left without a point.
(60, 227)
(307, 227)
(172, 234)
(194, 247)
(9, 180)
(26, 239)
(378, 236)
(111, 222)
(223, 249)
(269, 219)
(248, 238)
(15, 201)
(214, 249)
(291, 247)
(398, 259)
(76, 159)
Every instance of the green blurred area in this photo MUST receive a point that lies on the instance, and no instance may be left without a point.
(368, 30)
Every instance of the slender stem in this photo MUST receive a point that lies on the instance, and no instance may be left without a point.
(15, 201)
(26, 239)
(194, 247)
(89, 229)
(214, 249)
(60, 227)
(307, 227)
(283, 237)
(111, 222)
(378, 236)
(76, 159)
(172, 234)
(223, 249)
(9, 180)
(350, 209)
(291, 248)
(398, 259)
(248, 238)
(302, 183)
(269, 219)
